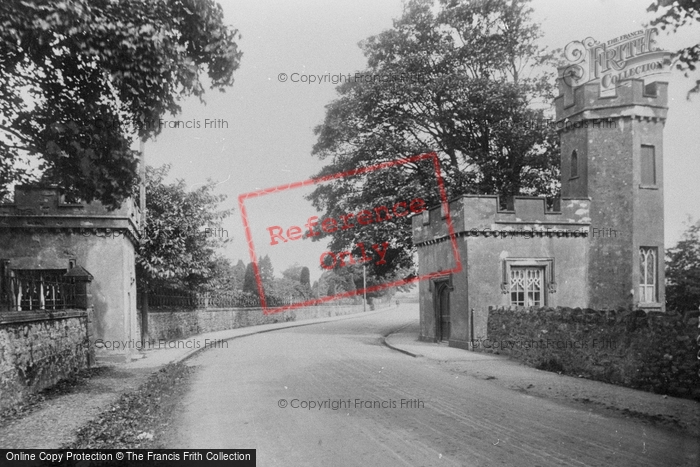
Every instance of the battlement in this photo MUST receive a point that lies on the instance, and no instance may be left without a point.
(631, 99)
(43, 207)
(480, 215)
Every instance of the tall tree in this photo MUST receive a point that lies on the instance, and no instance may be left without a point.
(175, 249)
(335, 282)
(683, 272)
(676, 14)
(79, 78)
(305, 277)
(267, 272)
(457, 78)
(239, 274)
(250, 285)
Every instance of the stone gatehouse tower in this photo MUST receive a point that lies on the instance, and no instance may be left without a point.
(612, 152)
(601, 248)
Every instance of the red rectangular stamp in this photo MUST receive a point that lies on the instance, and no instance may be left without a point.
(276, 236)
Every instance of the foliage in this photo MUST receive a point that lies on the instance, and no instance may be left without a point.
(223, 276)
(680, 13)
(683, 272)
(142, 411)
(239, 274)
(79, 77)
(293, 272)
(175, 249)
(305, 276)
(291, 284)
(249, 283)
(336, 282)
(456, 79)
(285, 287)
(267, 272)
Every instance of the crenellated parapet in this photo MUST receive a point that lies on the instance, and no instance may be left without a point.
(632, 99)
(477, 215)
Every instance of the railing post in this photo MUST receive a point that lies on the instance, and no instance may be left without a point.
(19, 294)
(52, 292)
(42, 299)
(5, 283)
(14, 290)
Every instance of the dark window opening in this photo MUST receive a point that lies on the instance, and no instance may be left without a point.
(648, 164)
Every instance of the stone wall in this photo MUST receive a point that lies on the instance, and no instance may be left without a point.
(38, 351)
(172, 324)
(645, 350)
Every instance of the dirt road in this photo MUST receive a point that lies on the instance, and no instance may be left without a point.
(332, 394)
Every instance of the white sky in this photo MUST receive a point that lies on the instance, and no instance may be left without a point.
(270, 123)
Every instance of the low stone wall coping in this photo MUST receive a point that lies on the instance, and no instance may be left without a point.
(14, 317)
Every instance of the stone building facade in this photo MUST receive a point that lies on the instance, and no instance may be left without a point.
(42, 236)
(603, 245)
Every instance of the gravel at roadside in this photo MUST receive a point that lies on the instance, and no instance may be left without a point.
(597, 397)
(53, 418)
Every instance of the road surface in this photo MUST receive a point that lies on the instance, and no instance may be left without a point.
(332, 395)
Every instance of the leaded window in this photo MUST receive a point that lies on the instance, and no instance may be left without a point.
(527, 286)
(647, 274)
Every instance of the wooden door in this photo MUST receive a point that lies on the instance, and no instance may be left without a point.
(444, 312)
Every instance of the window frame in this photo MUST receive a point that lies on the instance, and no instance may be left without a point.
(549, 285)
(643, 286)
(425, 217)
(527, 290)
(573, 167)
(642, 164)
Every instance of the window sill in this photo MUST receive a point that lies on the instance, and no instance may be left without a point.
(650, 306)
(648, 187)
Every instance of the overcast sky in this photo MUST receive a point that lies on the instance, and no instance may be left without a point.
(269, 132)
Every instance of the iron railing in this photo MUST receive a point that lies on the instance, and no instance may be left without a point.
(176, 298)
(36, 292)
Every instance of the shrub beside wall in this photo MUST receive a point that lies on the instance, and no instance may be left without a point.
(651, 351)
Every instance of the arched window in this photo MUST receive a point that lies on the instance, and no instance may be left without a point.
(574, 164)
(647, 274)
